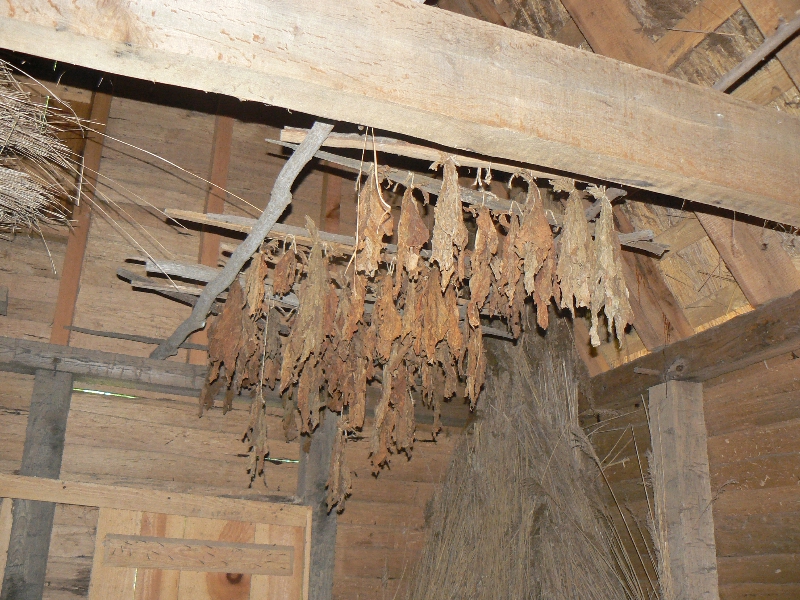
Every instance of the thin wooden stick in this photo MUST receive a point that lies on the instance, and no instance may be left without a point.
(770, 45)
(280, 198)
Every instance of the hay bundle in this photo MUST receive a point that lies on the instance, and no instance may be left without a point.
(32, 159)
(519, 515)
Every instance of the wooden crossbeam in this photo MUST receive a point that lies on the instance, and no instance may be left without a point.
(548, 103)
(206, 556)
(766, 332)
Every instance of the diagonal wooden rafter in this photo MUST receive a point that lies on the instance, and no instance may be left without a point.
(754, 256)
(549, 104)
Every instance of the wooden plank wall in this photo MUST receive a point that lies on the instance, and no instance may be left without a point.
(154, 440)
(753, 424)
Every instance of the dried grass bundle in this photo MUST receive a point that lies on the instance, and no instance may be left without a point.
(32, 159)
(519, 514)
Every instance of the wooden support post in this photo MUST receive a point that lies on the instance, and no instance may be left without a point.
(682, 490)
(215, 203)
(315, 462)
(69, 284)
(331, 200)
(32, 523)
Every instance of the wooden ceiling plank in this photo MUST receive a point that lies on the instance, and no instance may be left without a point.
(690, 31)
(549, 103)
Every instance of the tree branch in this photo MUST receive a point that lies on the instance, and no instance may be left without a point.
(280, 198)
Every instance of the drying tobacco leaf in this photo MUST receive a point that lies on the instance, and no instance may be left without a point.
(510, 265)
(256, 437)
(434, 317)
(404, 407)
(480, 281)
(374, 222)
(285, 273)
(575, 262)
(379, 442)
(476, 366)
(609, 290)
(254, 284)
(352, 308)
(535, 239)
(330, 309)
(339, 482)
(309, 402)
(450, 235)
(290, 429)
(455, 340)
(386, 322)
(411, 236)
(225, 337)
(544, 288)
(308, 333)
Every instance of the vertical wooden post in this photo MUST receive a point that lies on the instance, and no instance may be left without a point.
(682, 490)
(331, 200)
(312, 475)
(69, 284)
(32, 522)
(215, 203)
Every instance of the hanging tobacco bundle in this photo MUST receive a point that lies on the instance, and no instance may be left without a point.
(409, 321)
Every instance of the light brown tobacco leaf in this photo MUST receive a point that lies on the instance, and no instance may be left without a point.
(374, 222)
(535, 239)
(609, 291)
(404, 406)
(339, 481)
(411, 236)
(225, 334)
(450, 235)
(256, 438)
(386, 321)
(308, 397)
(289, 418)
(435, 317)
(329, 311)
(480, 282)
(575, 261)
(307, 335)
(379, 443)
(543, 292)
(285, 273)
(476, 366)
(511, 270)
(453, 332)
(563, 184)
(254, 283)
(352, 307)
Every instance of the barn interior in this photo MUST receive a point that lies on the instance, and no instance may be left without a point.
(400, 300)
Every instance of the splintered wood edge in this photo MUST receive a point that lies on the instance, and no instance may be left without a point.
(148, 500)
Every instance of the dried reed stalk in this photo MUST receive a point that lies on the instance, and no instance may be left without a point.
(32, 159)
(520, 514)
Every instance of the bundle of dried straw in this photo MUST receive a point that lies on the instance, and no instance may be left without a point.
(33, 160)
(520, 515)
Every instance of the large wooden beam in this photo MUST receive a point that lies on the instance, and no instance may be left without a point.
(548, 104)
(682, 491)
(766, 332)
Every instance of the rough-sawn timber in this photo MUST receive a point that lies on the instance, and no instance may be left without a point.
(766, 332)
(416, 70)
